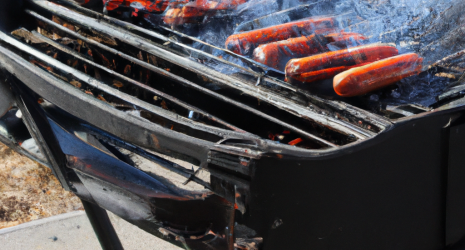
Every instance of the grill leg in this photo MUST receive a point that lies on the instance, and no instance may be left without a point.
(102, 226)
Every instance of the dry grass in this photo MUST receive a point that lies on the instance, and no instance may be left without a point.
(29, 191)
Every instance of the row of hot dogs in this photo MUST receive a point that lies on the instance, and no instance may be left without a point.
(308, 50)
(192, 11)
(356, 69)
(179, 11)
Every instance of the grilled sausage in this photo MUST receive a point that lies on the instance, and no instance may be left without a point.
(82, 2)
(176, 16)
(194, 11)
(340, 60)
(173, 16)
(245, 42)
(277, 54)
(322, 74)
(376, 75)
(147, 5)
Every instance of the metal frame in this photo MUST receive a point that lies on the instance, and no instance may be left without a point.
(102, 226)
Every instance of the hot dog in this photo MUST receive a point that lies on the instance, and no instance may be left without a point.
(376, 75)
(277, 54)
(338, 60)
(193, 11)
(245, 42)
(322, 74)
(147, 5)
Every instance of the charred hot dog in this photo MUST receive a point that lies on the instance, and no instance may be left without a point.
(277, 54)
(376, 75)
(327, 65)
(245, 42)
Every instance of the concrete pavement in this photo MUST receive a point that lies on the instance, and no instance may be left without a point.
(73, 231)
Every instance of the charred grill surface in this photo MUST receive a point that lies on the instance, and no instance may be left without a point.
(230, 107)
(251, 69)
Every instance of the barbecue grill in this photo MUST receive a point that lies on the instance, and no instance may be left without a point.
(197, 145)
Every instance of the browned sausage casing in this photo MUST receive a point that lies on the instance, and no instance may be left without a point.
(331, 63)
(277, 54)
(373, 76)
(245, 42)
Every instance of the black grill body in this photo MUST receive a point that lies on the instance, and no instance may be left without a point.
(395, 184)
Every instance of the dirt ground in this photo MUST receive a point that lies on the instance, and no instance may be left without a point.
(29, 191)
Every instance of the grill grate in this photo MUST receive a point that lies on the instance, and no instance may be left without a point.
(170, 89)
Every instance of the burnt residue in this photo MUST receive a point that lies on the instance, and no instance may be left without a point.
(223, 79)
(217, 61)
(227, 112)
(115, 101)
(120, 65)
